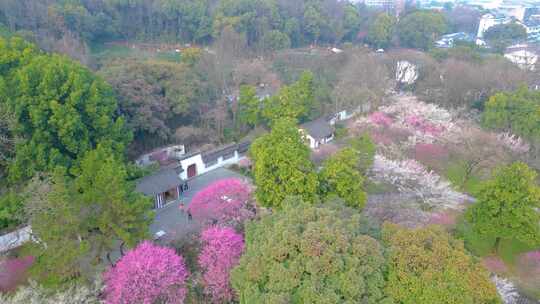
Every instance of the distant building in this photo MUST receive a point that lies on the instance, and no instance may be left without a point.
(448, 40)
(489, 20)
(390, 6)
(522, 55)
(531, 21)
(162, 156)
(317, 132)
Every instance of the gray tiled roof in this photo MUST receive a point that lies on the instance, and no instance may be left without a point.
(319, 128)
(213, 155)
(158, 182)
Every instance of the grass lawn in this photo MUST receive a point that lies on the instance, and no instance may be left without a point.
(101, 51)
(483, 246)
(169, 56)
(455, 174)
(372, 187)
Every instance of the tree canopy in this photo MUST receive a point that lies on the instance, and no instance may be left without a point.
(426, 265)
(147, 274)
(294, 101)
(507, 206)
(86, 217)
(220, 253)
(340, 177)
(309, 254)
(282, 166)
(267, 24)
(420, 29)
(61, 110)
(381, 30)
(500, 36)
(517, 112)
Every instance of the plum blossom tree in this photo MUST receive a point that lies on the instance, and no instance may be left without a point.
(409, 176)
(227, 201)
(147, 274)
(513, 142)
(221, 252)
(381, 119)
(70, 294)
(426, 121)
(13, 272)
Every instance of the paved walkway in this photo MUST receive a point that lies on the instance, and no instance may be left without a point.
(171, 220)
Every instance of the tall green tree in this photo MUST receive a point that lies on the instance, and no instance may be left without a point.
(340, 177)
(61, 110)
(501, 36)
(310, 254)
(507, 206)
(427, 265)
(85, 218)
(282, 166)
(366, 149)
(11, 210)
(294, 102)
(313, 22)
(7, 140)
(517, 112)
(381, 30)
(420, 29)
(249, 106)
(275, 40)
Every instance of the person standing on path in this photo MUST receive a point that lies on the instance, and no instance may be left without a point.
(181, 207)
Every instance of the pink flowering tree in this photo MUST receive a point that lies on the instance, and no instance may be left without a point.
(147, 274)
(222, 248)
(225, 202)
(528, 265)
(380, 119)
(14, 272)
(495, 265)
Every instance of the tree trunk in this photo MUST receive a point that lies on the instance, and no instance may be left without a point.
(497, 245)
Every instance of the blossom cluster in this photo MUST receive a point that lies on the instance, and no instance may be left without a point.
(225, 202)
(222, 248)
(423, 120)
(495, 265)
(13, 272)
(147, 274)
(409, 176)
(513, 142)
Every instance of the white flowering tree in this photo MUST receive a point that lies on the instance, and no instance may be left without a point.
(409, 176)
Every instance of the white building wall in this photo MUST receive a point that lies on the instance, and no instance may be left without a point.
(488, 21)
(201, 166)
(15, 239)
(524, 59)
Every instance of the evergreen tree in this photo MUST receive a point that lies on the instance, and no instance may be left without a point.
(85, 218)
(507, 206)
(282, 166)
(340, 177)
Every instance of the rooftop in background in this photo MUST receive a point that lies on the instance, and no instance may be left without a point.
(448, 40)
